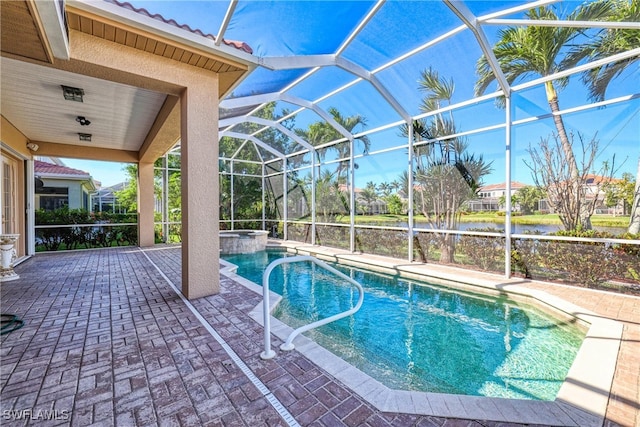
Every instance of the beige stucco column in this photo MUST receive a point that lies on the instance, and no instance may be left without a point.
(146, 204)
(199, 91)
(200, 187)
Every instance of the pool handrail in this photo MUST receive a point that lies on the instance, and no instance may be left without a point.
(288, 345)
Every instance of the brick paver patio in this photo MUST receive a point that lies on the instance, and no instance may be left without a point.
(107, 341)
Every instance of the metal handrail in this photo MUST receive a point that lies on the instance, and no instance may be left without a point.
(268, 353)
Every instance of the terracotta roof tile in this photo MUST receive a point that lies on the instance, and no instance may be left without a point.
(49, 168)
(515, 185)
(237, 44)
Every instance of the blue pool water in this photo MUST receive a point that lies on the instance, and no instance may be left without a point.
(411, 335)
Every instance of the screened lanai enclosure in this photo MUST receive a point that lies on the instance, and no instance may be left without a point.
(424, 130)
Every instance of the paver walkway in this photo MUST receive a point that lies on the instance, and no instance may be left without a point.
(624, 401)
(107, 341)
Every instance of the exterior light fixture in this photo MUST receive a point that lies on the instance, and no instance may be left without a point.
(33, 146)
(84, 136)
(72, 93)
(83, 121)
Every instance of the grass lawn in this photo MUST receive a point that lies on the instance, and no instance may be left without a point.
(546, 219)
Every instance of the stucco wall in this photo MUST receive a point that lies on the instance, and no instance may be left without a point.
(75, 195)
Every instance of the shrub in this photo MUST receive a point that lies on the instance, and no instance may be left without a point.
(298, 232)
(485, 252)
(585, 263)
(390, 243)
(82, 235)
(629, 265)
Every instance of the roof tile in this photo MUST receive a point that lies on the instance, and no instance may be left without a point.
(515, 185)
(41, 167)
(236, 44)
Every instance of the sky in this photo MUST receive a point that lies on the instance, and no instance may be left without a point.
(108, 173)
(294, 27)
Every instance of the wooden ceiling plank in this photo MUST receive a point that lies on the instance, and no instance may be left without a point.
(141, 43)
(86, 25)
(169, 51)
(98, 29)
(160, 49)
(140, 32)
(109, 33)
(121, 36)
(177, 54)
(130, 39)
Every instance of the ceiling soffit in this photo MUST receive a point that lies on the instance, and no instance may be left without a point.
(117, 32)
(20, 35)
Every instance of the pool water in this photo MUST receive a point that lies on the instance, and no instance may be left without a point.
(411, 335)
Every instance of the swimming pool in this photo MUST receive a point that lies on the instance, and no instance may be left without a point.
(416, 336)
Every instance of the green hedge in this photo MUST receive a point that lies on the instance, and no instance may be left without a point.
(588, 264)
(96, 235)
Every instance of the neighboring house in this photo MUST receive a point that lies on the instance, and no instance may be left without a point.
(105, 200)
(344, 188)
(58, 186)
(489, 196)
(595, 190)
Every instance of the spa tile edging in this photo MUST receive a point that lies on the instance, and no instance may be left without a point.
(582, 399)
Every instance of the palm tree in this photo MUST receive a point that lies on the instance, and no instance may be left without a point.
(446, 174)
(385, 188)
(606, 43)
(523, 51)
(330, 201)
(369, 195)
(634, 220)
(322, 132)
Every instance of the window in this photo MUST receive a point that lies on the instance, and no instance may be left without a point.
(52, 198)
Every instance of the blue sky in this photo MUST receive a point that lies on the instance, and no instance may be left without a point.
(283, 28)
(108, 173)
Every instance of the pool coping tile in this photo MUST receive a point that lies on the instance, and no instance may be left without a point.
(582, 399)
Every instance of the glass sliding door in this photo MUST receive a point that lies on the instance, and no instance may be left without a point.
(8, 203)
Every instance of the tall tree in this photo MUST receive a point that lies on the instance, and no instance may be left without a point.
(531, 50)
(322, 132)
(385, 188)
(634, 220)
(330, 201)
(608, 42)
(446, 174)
(369, 195)
(529, 198)
(571, 197)
(620, 191)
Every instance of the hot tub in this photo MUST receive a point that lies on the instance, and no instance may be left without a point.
(242, 241)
